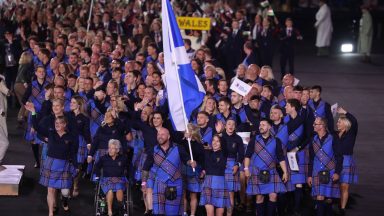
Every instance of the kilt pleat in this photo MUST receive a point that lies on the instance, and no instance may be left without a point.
(232, 181)
(113, 183)
(163, 206)
(349, 173)
(143, 157)
(191, 179)
(254, 186)
(82, 150)
(298, 177)
(57, 173)
(214, 192)
(331, 190)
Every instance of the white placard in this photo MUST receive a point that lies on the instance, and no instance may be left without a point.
(334, 109)
(296, 82)
(240, 87)
(292, 161)
(245, 136)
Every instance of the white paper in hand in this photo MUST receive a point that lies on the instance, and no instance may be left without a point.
(292, 161)
(334, 109)
(240, 87)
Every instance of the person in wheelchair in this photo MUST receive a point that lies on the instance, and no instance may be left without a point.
(111, 170)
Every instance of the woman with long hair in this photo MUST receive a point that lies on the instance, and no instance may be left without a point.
(79, 111)
(215, 194)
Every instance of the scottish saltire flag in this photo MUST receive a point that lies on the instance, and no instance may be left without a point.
(185, 92)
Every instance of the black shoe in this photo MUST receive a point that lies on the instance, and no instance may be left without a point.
(342, 212)
(148, 213)
(64, 202)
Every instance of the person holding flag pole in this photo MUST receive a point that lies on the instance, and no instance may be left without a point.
(185, 93)
(182, 84)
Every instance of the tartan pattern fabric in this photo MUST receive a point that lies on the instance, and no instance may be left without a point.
(254, 186)
(96, 118)
(263, 154)
(294, 138)
(37, 95)
(232, 181)
(306, 161)
(167, 167)
(30, 136)
(215, 192)
(298, 177)
(43, 157)
(321, 154)
(57, 173)
(162, 206)
(139, 168)
(113, 183)
(319, 111)
(331, 189)
(82, 150)
(241, 113)
(349, 172)
(258, 162)
(192, 180)
(324, 160)
(207, 136)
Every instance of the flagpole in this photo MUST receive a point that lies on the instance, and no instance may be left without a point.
(178, 77)
(89, 20)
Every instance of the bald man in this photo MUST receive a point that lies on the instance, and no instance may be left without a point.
(162, 173)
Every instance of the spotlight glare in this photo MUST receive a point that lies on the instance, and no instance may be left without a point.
(346, 48)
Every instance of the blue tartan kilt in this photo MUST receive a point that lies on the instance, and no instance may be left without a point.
(143, 157)
(82, 150)
(232, 181)
(99, 153)
(215, 192)
(43, 156)
(255, 187)
(331, 190)
(113, 183)
(191, 179)
(349, 173)
(306, 162)
(150, 180)
(298, 177)
(163, 206)
(289, 185)
(57, 173)
(29, 136)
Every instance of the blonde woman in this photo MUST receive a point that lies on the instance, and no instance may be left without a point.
(192, 178)
(347, 128)
(79, 111)
(266, 74)
(209, 105)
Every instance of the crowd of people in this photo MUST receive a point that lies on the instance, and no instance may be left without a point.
(93, 102)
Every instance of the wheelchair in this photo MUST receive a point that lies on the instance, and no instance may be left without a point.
(101, 207)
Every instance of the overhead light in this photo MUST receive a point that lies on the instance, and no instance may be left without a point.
(347, 48)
